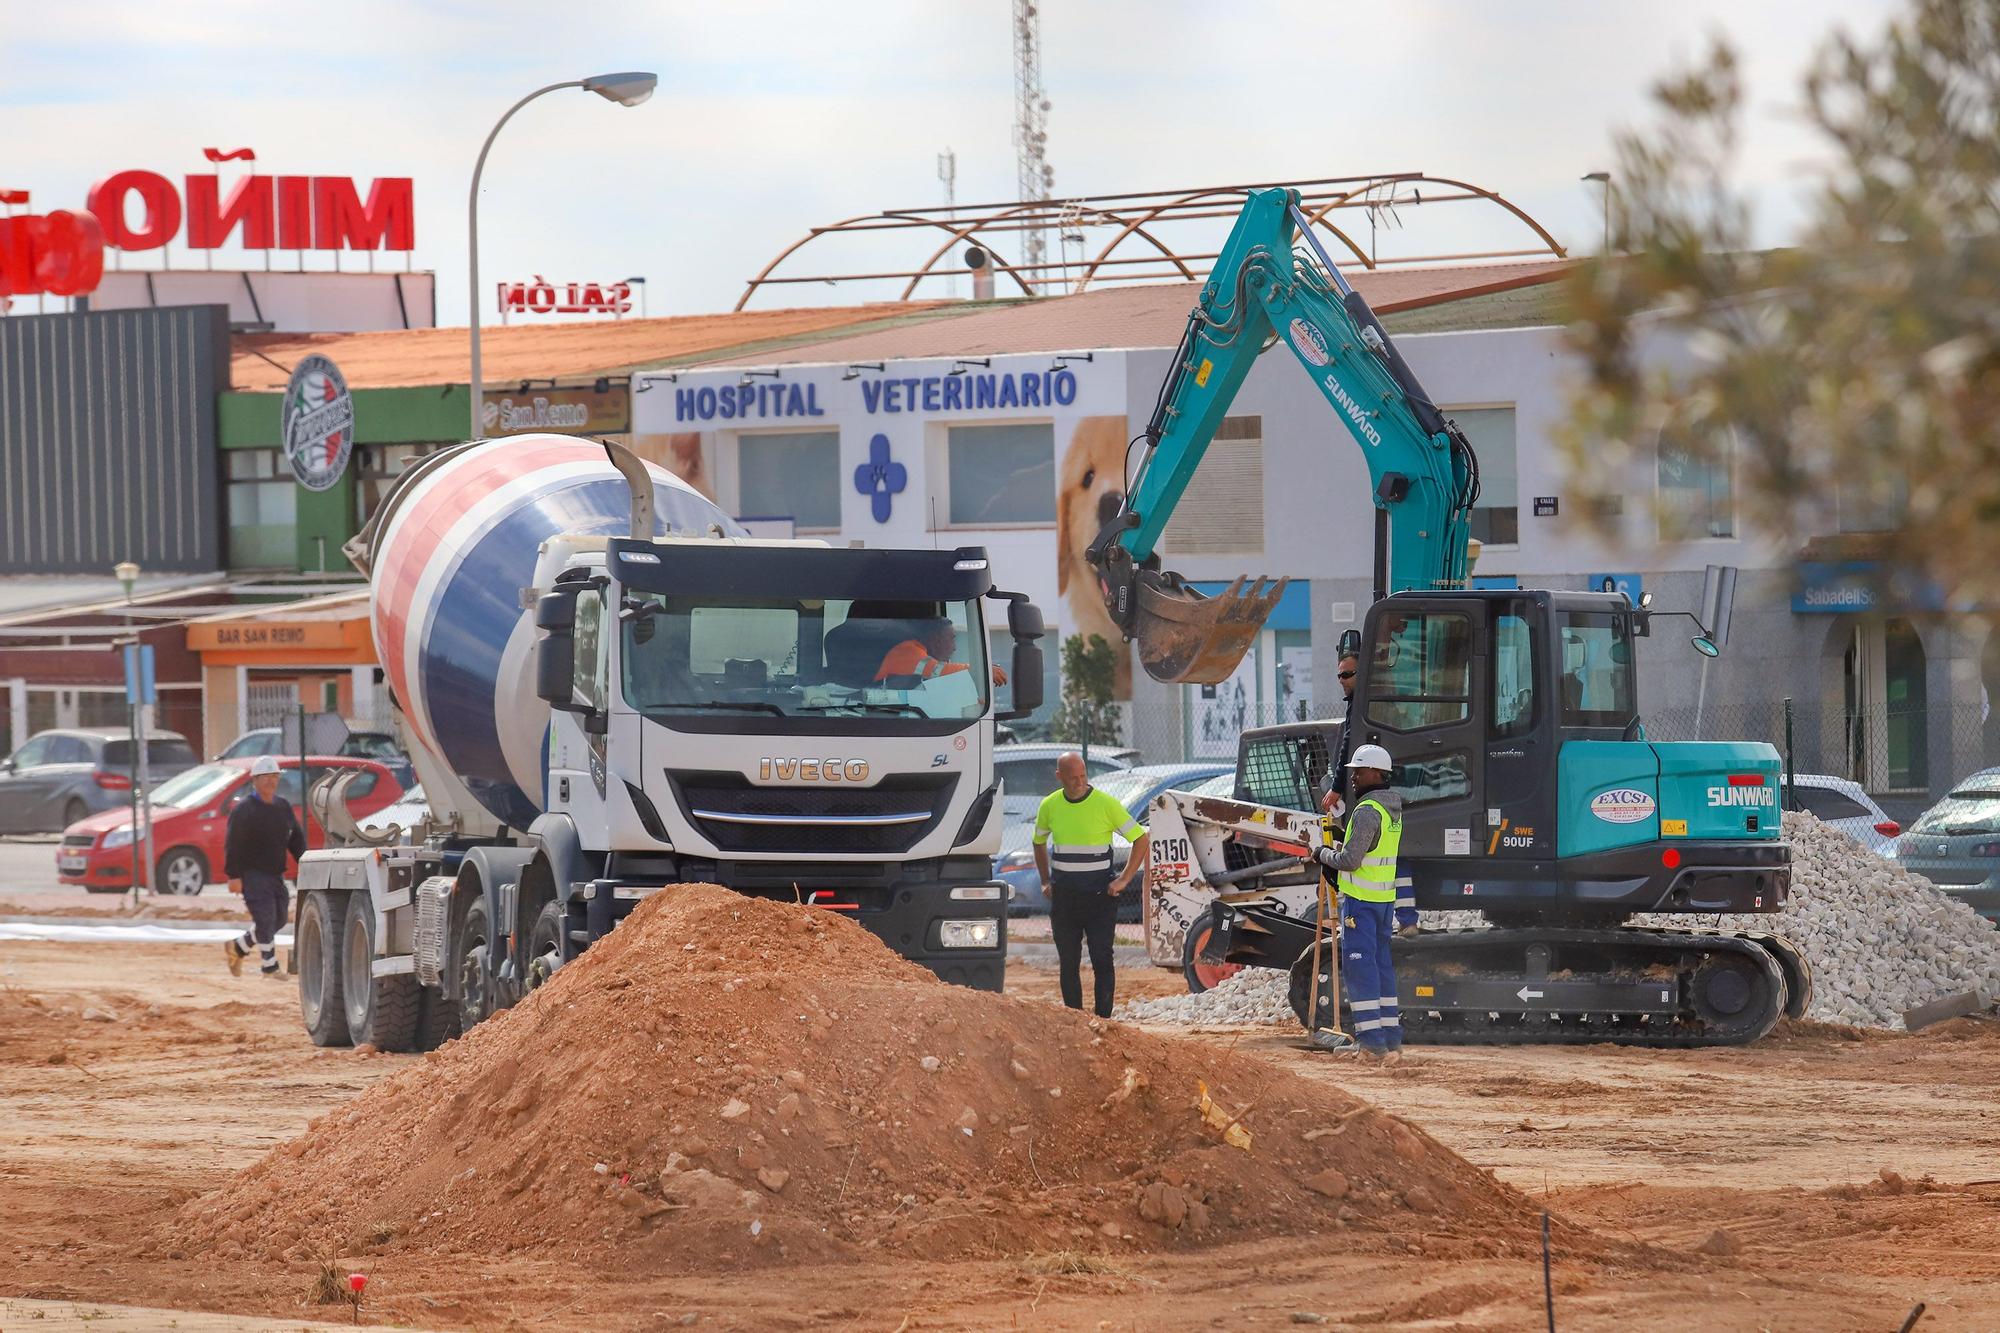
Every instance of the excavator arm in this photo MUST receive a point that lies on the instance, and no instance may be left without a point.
(1423, 473)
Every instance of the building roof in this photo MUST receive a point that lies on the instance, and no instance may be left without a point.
(396, 358)
(1135, 316)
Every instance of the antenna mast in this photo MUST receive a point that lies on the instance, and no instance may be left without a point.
(947, 170)
(1036, 178)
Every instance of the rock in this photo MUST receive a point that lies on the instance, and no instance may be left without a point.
(735, 1109)
(1331, 1183)
(365, 1048)
(1420, 1200)
(794, 1080)
(95, 1015)
(788, 1107)
(930, 1064)
(773, 1178)
(1720, 1242)
(1019, 1071)
(968, 1120)
(1307, 1317)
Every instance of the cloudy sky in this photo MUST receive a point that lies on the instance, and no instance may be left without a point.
(774, 117)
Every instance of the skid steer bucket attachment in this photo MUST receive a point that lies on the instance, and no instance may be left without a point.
(1189, 638)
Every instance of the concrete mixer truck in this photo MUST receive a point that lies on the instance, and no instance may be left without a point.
(608, 689)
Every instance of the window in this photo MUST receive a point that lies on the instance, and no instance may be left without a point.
(1229, 483)
(790, 474)
(1422, 672)
(1596, 669)
(1000, 474)
(70, 750)
(1513, 672)
(263, 510)
(363, 783)
(34, 754)
(809, 658)
(118, 754)
(1697, 493)
(1828, 804)
(1496, 517)
(593, 649)
(197, 787)
(1441, 778)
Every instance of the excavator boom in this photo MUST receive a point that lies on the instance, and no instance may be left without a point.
(1273, 282)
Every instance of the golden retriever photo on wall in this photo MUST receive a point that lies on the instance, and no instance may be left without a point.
(679, 452)
(1089, 492)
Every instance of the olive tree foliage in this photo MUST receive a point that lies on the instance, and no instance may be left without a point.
(1087, 714)
(1854, 375)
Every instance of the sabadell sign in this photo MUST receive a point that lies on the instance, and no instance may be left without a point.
(318, 423)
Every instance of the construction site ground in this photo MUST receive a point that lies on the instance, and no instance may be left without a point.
(1823, 1179)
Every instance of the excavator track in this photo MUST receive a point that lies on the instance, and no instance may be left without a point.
(1559, 986)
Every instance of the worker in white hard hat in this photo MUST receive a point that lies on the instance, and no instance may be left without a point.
(1363, 866)
(262, 832)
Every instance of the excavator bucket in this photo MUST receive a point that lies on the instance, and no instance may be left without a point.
(1186, 637)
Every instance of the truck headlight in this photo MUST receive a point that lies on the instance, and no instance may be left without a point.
(118, 837)
(969, 934)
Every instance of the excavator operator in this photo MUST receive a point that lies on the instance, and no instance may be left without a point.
(928, 654)
(1364, 869)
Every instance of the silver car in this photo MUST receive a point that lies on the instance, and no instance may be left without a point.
(1839, 803)
(67, 774)
(1956, 843)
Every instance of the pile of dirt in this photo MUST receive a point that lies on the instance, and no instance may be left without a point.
(726, 1080)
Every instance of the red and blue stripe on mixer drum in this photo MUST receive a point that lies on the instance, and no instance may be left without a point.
(454, 641)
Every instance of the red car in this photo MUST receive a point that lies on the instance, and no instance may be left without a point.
(190, 817)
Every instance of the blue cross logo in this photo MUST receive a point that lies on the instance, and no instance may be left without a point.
(880, 478)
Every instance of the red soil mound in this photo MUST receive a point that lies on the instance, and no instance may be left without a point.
(727, 1079)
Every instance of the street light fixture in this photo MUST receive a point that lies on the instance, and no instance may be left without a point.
(640, 283)
(1603, 178)
(627, 89)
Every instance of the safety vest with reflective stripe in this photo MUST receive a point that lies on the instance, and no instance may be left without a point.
(1374, 880)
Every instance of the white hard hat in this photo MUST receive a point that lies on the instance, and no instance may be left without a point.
(267, 765)
(1372, 756)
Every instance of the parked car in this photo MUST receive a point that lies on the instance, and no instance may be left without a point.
(1028, 772)
(60, 776)
(1840, 804)
(1956, 843)
(360, 744)
(190, 817)
(1135, 789)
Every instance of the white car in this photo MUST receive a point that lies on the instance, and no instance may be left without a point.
(1841, 804)
(1028, 772)
(409, 810)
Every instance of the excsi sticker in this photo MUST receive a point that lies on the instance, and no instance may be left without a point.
(1310, 342)
(1622, 805)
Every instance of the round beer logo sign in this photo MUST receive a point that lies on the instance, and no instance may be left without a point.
(1310, 342)
(318, 423)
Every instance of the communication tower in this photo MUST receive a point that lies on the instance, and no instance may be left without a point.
(1031, 134)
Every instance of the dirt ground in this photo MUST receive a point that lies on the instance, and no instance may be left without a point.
(1821, 1180)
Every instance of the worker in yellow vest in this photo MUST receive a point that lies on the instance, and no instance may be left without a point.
(1363, 867)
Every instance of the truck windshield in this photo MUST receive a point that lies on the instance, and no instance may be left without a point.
(1596, 669)
(803, 657)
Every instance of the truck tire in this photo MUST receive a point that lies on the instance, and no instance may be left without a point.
(437, 1019)
(470, 961)
(316, 951)
(545, 944)
(381, 1011)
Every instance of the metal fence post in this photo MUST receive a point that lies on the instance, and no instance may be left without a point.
(1791, 795)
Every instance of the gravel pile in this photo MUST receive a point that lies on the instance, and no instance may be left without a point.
(1880, 941)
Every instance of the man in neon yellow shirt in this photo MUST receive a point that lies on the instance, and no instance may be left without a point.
(1363, 867)
(1077, 879)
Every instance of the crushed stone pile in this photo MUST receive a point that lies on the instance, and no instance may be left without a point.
(729, 1081)
(1880, 941)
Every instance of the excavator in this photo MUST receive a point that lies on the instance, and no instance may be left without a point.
(1531, 793)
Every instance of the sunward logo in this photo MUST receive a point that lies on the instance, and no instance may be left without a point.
(1623, 805)
(1310, 342)
(1355, 411)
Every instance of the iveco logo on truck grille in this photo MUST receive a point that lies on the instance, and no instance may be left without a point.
(812, 770)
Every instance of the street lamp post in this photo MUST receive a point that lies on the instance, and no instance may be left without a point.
(1603, 178)
(626, 89)
(127, 574)
(640, 283)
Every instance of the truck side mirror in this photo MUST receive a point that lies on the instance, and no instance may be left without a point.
(1350, 644)
(555, 654)
(1024, 626)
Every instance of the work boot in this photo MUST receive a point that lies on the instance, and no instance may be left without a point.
(1394, 1057)
(275, 973)
(233, 956)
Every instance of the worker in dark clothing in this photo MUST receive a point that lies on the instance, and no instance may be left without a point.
(262, 832)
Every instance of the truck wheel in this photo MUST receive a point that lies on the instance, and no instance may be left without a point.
(470, 954)
(1202, 976)
(381, 1011)
(316, 950)
(437, 1020)
(545, 944)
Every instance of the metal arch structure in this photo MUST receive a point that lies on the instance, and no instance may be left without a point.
(1148, 215)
